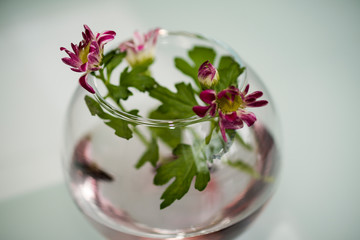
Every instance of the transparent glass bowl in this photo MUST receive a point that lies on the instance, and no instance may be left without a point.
(123, 203)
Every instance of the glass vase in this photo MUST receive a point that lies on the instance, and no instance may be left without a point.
(120, 198)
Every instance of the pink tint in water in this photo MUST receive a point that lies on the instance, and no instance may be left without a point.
(111, 215)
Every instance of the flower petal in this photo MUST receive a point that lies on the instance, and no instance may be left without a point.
(212, 110)
(246, 90)
(138, 38)
(108, 33)
(249, 100)
(255, 94)
(71, 62)
(75, 48)
(84, 67)
(88, 32)
(92, 60)
(208, 96)
(229, 93)
(201, 111)
(105, 39)
(248, 117)
(230, 121)
(76, 70)
(258, 103)
(223, 132)
(84, 84)
(230, 117)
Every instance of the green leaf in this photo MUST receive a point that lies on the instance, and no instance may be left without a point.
(175, 105)
(119, 92)
(107, 57)
(151, 155)
(226, 61)
(198, 55)
(187, 69)
(137, 78)
(201, 54)
(171, 137)
(242, 142)
(244, 167)
(113, 62)
(229, 71)
(183, 169)
(120, 126)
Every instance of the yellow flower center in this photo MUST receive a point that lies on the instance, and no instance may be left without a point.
(83, 53)
(227, 105)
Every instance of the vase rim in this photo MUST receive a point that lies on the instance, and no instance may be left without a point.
(169, 123)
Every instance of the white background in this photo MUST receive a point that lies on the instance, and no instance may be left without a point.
(306, 52)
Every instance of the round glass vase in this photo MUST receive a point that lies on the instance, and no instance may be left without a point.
(120, 198)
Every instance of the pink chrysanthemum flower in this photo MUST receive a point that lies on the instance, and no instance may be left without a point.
(231, 105)
(86, 57)
(208, 96)
(140, 49)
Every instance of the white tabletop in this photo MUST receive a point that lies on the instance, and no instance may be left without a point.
(307, 53)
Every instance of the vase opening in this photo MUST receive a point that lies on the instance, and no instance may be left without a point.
(169, 44)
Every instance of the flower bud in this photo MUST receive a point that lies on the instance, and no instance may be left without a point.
(208, 75)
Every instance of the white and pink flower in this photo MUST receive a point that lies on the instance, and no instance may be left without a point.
(86, 57)
(141, 49)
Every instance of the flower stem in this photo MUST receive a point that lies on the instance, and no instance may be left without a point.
(141, 136)
(135, 130)
(242, 142)
(208, 137)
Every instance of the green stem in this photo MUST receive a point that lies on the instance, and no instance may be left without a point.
(242, 142)
(141, 136)
(102, 76)
(208, 137)
(135, 130)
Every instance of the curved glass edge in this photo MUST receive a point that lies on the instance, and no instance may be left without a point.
(170, 123)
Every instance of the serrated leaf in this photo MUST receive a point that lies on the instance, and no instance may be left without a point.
(120, 126)
(119, 92)
(225, 62)
(151, 155)
(186, 69)
(198, 55)
(201, 54)
(229, 71)
(136, 78)
(183, 169)
(175, 105)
